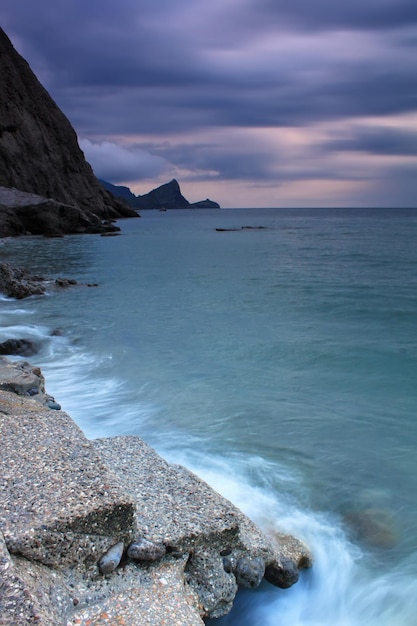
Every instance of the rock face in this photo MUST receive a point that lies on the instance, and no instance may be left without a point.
(205, 204)
(108, 532)
(167, 196)
(39, 152)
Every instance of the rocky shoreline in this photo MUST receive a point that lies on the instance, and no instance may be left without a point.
(107, 532)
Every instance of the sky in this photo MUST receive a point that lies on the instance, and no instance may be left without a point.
(252, 103)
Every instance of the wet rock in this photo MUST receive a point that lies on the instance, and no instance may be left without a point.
(64, 283)
(144, 550)
(249, 571)
(15, 282)
(20, 347)
(51, 404)
(111, 559)
(282, 574)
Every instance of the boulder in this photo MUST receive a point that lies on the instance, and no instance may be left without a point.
(18, 347)
(16, 282)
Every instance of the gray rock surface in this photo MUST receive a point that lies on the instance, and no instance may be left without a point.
(69, 509)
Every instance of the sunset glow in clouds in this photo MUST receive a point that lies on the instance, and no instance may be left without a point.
(249, 102)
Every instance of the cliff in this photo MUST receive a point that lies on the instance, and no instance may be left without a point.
(107, 532)
(167, 196)
(39, 152)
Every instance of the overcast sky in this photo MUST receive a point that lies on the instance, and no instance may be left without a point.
(249, 102)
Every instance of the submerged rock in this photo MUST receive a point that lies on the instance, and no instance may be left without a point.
(376, 527)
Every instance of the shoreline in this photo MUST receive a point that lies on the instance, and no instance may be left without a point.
(68, 501)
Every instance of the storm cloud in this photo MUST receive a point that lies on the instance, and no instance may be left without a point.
(235, 92)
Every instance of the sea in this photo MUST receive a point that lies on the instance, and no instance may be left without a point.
(274, 353)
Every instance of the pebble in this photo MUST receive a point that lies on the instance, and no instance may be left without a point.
(111, 559)
(283, 574)
(249, 571)
(51, 404)
(144, 550)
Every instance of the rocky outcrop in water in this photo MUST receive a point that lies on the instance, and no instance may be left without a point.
(17, 282)
(39, 154)
(108, 532)
(167, 196)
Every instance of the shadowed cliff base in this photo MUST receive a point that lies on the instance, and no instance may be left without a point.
(39, 154)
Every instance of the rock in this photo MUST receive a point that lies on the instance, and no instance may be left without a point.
(176, 508)
(21, 347)
(376, 527)
(205, 204)
(22, 379)
(51, 404)
(59, 504)
(39, 154)
(166, 196)
(65, 282)
(27, 213)
(143, 550)
(283, 573)
(16, 282)
(249, 572)
(111, 559)
(64, 501)
(215, 588)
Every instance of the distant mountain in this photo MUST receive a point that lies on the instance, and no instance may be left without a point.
(167, 196)
(119, 191)
(40, 156)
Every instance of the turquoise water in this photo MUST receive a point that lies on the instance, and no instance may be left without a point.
(280, 364)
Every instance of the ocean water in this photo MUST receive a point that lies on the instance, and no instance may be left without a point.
(280, 364)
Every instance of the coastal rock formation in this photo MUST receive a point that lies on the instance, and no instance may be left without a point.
(17, 282)
(108, 532)
(166, 196)
(39, 152)
(24, 213)
(205, 204)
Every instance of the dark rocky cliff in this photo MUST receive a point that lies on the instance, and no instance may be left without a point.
(166, 196)
(39, 152)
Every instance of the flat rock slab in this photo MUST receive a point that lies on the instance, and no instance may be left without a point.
(158, 599)
(59, 504)
(173, 506)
